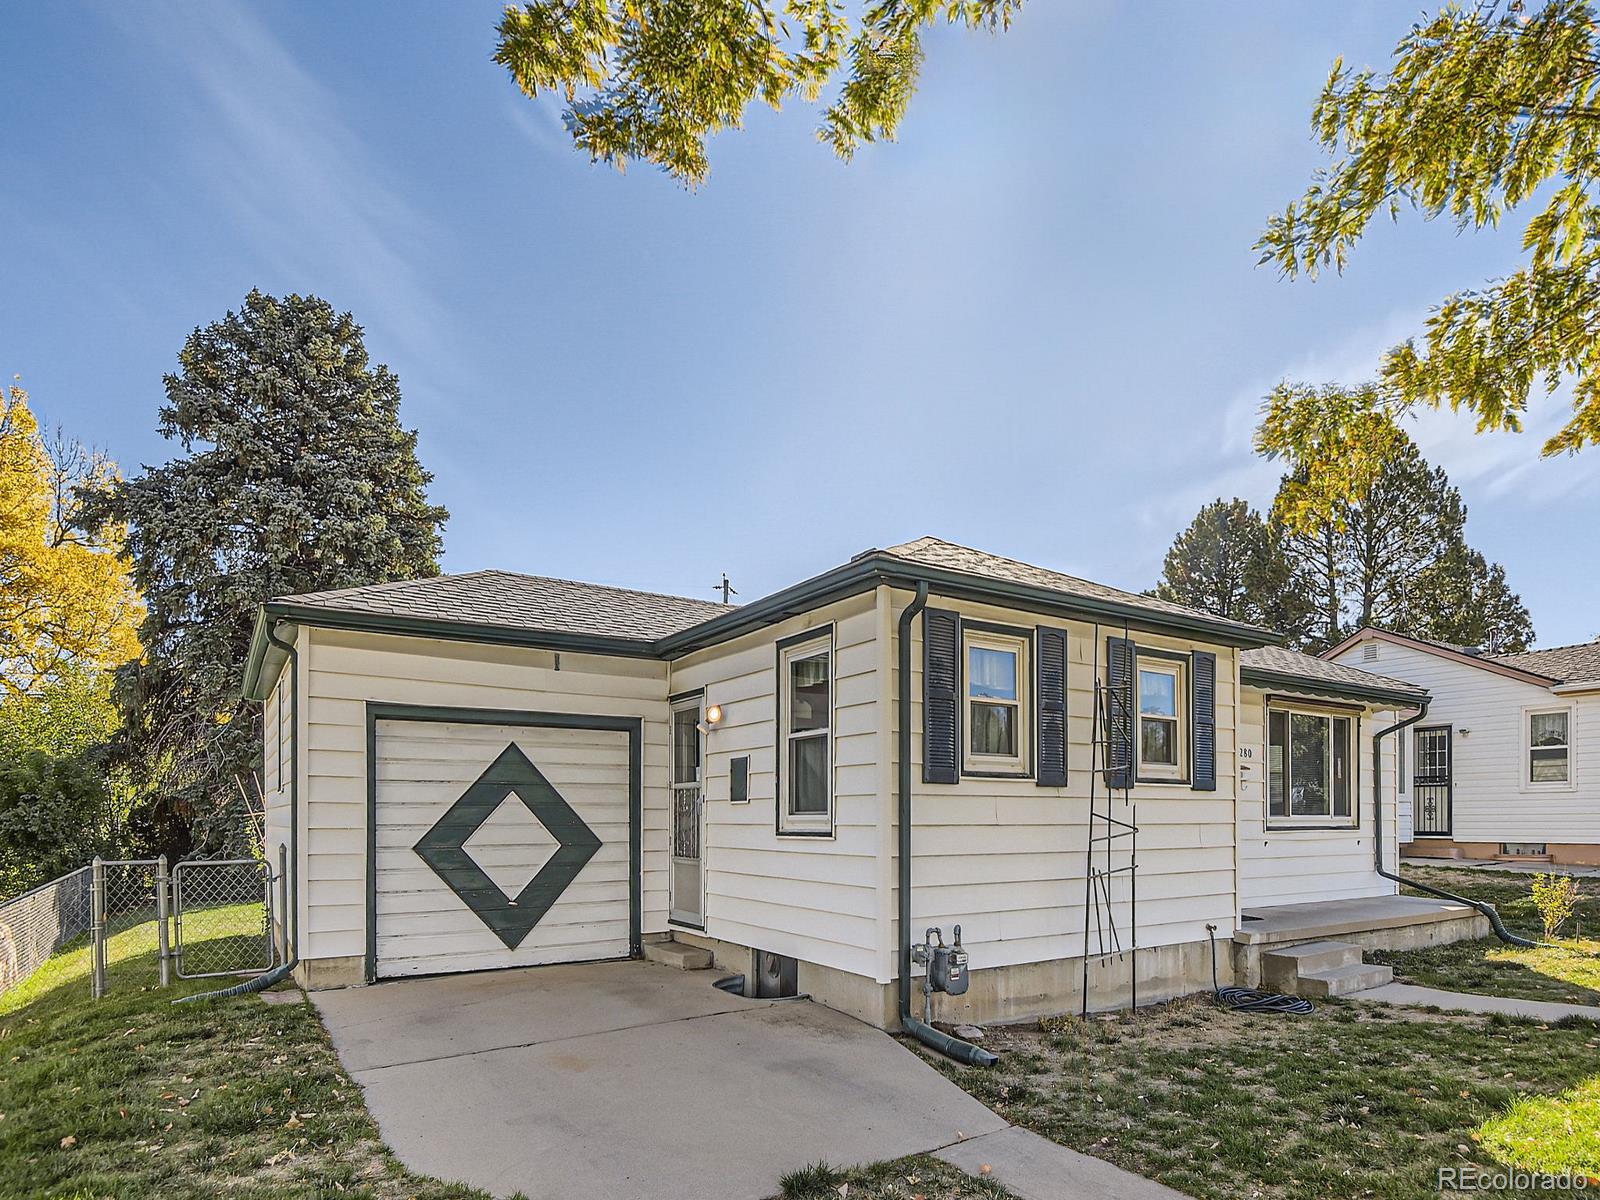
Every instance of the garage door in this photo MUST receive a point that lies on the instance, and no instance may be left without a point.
(499, 845)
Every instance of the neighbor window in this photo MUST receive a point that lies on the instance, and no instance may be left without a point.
(1550, 746)
(1309, 767)
(1161, 701)
(997, 697)
(806, 722)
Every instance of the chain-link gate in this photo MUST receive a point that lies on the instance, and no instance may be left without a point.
(222, 918)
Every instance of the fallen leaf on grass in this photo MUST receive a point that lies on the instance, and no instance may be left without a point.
(68, 1142)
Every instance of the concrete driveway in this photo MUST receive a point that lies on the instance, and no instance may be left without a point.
(631, 1081)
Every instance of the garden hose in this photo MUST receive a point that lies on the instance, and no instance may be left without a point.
(1249, 999)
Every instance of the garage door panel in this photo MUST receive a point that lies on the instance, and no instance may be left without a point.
(491, 886)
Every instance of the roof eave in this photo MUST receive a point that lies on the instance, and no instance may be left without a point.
(866, 572)
(1264, 678)
(1368, 633)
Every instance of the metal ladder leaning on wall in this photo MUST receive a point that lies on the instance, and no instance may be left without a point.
(1112, 854)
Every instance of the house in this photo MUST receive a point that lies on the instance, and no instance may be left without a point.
(1099, 783)
(1506, 764)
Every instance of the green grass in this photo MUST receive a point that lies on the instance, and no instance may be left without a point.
(133, 1097)
(1356, 1100)
(921, 1177)
(1568, 971)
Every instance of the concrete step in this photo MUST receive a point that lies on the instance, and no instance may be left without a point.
(1341, 981)
(677, 954)
(1280, 968)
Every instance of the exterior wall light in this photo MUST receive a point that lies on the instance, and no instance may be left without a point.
(714, 714)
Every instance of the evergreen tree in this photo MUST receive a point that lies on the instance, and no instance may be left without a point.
(1464, 599)
(295, 475)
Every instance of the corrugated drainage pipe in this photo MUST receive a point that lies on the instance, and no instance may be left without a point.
(1483, 906)
(291, 919)
(963, 1052)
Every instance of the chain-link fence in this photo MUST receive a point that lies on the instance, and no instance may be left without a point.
(39, 926)
(222, 917)
(118, 925)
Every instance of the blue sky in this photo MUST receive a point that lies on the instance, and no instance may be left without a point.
(1035, 324)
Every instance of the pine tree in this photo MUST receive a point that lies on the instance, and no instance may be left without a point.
(295, 475)
(1464, 599)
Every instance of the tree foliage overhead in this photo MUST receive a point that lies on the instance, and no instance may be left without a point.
(1486, 108)
(66, 599)
(652, 79)
(295, 475)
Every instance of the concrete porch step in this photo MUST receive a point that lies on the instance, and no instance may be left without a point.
(1341, 981)
(1281, 968)
(677, 954)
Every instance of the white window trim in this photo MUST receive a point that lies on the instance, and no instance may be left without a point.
(1525, 754)
(1018, 764)
(1149, 772)
(1352, 752)
(812, 824)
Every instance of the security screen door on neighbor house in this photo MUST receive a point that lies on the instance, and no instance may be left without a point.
(1430, 792)
(686, 903)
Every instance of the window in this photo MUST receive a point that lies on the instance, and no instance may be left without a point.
(805, 725)
(1549, 746)
(1309, 767)
(996, 698)
(1160, 702)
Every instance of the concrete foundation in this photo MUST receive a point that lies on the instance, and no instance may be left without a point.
(315, 974)
(1019, 992)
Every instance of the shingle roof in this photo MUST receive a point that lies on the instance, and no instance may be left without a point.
(935, 552)
(1563, 664)
(1278, 661)
(524, 602)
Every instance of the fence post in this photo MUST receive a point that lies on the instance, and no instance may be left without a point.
(97, 927)
(163, 912)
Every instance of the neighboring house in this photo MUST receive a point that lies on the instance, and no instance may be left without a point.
(1506, 764)
(727, 777)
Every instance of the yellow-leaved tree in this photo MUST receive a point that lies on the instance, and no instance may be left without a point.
(67, 601)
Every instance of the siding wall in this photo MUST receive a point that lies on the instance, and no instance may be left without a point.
(1289, 866)
(815, 898)
(345, 670)
(1491, 801)
(1007, 859)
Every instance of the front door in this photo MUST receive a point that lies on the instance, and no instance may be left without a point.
(686, 886)
(1430, 786)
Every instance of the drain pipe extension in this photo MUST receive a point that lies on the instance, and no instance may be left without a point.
(963, 1052)
(291, 919)
(1483, 906)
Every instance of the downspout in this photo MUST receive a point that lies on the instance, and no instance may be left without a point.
(291, 919)
(964, 1052)
(1483, 906)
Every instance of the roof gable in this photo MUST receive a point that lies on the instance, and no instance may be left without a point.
(1444, 650)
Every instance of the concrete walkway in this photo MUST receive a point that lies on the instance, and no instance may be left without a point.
(634, 1081)
(1036, 1168)
(1516, 868)
(1539, 1010)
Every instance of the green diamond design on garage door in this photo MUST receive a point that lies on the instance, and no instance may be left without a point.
(443, 846)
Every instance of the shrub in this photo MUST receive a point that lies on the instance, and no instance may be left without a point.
(56, 813)
(1556, 898)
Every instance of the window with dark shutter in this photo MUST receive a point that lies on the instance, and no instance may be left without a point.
(1203, 674)
(1052, 738)
(941, 652)
(1118, 713)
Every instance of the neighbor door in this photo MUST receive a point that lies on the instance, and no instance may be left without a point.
(686, 886)
(1430, 786)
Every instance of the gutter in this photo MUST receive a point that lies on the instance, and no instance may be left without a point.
(1483, 906)
(961, 1051)
(291, 919)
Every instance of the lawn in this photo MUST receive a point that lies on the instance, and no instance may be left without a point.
(922, 1177)
(1355, 1100)
(133, 1097)
(1568, 971)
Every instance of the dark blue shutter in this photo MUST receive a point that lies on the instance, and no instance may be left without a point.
(1117, 713)
(1052, 705)
(1203, 735)
(941, 653)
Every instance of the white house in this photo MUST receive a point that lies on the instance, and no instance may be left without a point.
(1506, 764)
(1098, 782)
